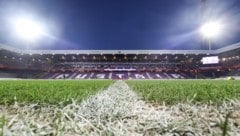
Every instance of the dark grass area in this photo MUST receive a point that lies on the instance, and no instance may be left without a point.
(180, 91)
(49, 91)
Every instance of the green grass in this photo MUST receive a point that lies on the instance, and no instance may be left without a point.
(180, 91)
(48, 91)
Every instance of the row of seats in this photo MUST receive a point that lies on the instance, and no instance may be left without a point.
(117, 75)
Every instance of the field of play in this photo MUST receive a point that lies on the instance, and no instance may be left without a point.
(49, 91)
(168, 91)
(180, 91)
(132, 107)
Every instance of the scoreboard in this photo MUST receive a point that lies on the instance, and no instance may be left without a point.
(210, 60)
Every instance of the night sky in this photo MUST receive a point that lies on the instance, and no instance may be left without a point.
(120, 24)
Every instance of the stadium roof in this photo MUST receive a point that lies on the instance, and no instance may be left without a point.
(217, 51)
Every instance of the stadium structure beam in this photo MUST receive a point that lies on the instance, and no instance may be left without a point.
(224, 49)
(228, 48)
(118, 52)
(9, 48)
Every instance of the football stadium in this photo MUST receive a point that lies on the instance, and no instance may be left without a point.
(120, 83)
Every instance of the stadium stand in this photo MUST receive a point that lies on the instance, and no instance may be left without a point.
(118, 64)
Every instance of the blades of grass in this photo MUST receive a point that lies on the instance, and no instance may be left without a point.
(2, 124)
(225, 125)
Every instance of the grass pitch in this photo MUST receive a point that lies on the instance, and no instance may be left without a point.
(181, 91)
(168, 91)
(115, 111)
(49, 91)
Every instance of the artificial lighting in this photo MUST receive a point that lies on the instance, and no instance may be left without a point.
(211, 29)
(28, 29)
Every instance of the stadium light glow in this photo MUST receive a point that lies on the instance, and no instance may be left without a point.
(28, 29)
(211, 29)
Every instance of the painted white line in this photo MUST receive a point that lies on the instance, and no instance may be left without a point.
(119, 111)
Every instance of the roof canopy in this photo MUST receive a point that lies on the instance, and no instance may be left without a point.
(217, 51)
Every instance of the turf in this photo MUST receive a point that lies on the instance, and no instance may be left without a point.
(49, 91)
(181, 91)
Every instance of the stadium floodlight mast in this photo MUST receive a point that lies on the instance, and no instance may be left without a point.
(211, 30)
(28, 29)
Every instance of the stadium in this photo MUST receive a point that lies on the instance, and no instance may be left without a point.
(120, 64)
(122, 90)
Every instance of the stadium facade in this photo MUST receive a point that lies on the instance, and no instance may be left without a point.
(118, 64)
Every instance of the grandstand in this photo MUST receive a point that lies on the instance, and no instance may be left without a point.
(118, 64)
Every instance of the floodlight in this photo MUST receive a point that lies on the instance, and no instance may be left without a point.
(211, 29)
(28, 29)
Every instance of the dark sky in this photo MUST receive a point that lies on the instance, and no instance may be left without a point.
(120, 24)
